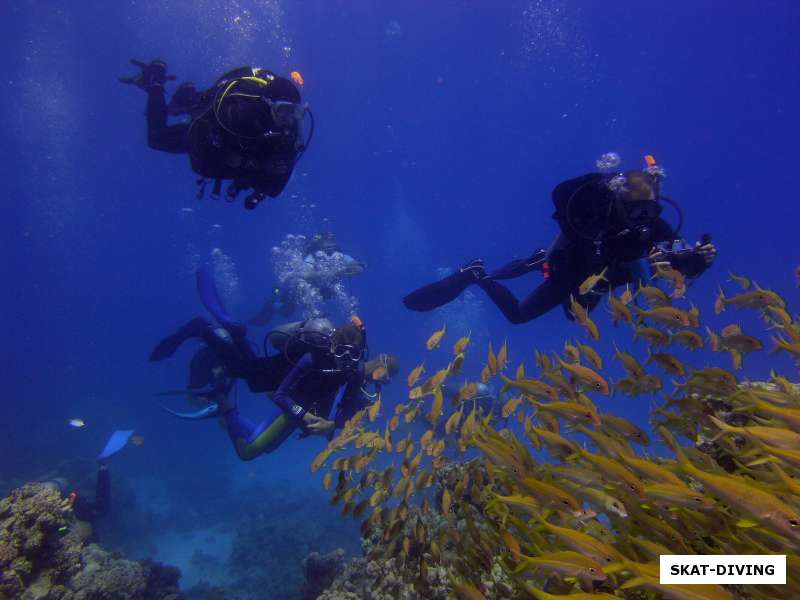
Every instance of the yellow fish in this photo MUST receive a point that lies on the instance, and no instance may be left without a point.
(510, 406)
(436, 338)
(492, 361)
(588, 377)
(743, 282)
(461, 344)
(452, 422)
(572, 352)
(457, 364)
(436, 408)
(590, 282)
(415, 374)
(688, 339)
(757, 298)
(591, 356)
(666, 315)
(502, 356)
(375, 407)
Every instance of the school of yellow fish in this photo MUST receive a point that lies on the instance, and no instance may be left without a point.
(564, 500)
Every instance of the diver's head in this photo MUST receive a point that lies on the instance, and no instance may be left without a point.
(638, 193)
(382, 368)
(347, 346)
(639, 186)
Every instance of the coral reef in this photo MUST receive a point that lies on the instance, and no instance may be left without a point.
(394, 570)
(43, 556)
(306, 524)
(321, 570)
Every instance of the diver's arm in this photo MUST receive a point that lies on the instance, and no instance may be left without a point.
(282, 396)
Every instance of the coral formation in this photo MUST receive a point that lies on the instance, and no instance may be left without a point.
(43, 556)
(320, 571)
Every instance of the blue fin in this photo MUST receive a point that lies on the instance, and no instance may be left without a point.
(117, 441)
(211, 300)
(209, 412)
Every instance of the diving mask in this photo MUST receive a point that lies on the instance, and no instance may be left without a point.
(353, 353)
(287, 122)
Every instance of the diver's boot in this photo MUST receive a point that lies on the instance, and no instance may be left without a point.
(152, 74)
(475, 268)
(197, 327)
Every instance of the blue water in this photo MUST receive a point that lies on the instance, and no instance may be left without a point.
(441, 130)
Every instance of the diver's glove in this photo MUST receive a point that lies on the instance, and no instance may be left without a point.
(152, 74)
(691, 261)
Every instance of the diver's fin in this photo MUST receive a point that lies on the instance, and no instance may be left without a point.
(445, 290)
(209, 412)
(213, 303)
(170, 344)
(116, 442)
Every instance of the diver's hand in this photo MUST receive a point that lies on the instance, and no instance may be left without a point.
(707, 251)
(317, 425)
(658, 259)
(153, 73)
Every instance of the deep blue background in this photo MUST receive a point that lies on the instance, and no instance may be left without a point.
(435, 144)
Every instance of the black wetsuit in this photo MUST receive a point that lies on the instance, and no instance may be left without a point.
(263, 164)
(572, 257)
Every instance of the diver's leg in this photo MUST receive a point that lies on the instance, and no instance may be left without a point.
(252, 440)
(102, 492)
(445, 290)
(160, 136)
(548, 295)
(520, 266)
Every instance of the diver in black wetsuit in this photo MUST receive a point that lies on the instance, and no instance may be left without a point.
(606, 221)
(316, 363)
(246, 128)
(84, 508)
(316, 272)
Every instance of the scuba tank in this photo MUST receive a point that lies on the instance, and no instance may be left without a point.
(296, 338)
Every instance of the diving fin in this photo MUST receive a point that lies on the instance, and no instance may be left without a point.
(445, 290)
(116, 442)
(209, 412)
(213, 303)
(170, 344)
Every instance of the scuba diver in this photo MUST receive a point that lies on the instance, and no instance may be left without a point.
(310, 270)
(317, 379)
(88, 510)
(246, 128)
(607, 222)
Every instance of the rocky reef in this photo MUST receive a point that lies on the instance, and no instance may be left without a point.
(43, 555)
